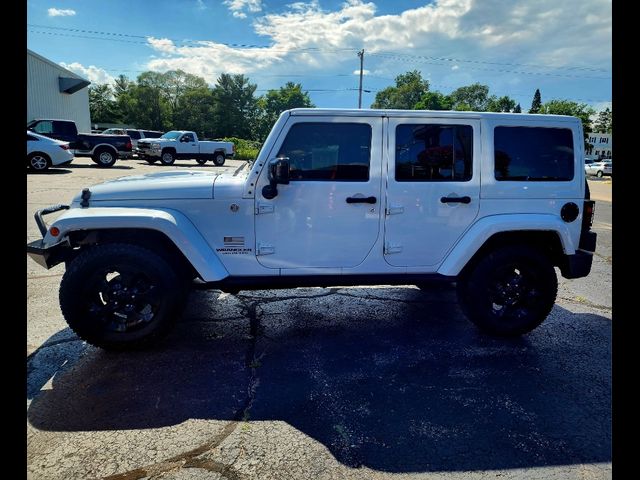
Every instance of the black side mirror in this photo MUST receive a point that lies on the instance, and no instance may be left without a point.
(278, 173)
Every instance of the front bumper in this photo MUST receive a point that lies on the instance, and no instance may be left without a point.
(48, 256)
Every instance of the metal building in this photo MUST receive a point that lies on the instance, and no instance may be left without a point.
(55, 92)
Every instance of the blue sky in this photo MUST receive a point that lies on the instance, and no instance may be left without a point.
(514, 46)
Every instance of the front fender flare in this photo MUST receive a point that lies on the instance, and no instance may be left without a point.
(486, 227)
(177, 227)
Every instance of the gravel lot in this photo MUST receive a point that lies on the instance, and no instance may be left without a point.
(320, 383)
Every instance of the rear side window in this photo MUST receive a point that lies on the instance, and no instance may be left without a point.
(434, 153)
(134, 134)
(64, 128)
(533, 154)
(328, 151)
(150, 134)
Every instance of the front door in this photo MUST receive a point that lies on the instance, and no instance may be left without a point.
(433, 188)
(188, 146)
(329, 213)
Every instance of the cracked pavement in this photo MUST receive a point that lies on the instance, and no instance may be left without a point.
(353, 382)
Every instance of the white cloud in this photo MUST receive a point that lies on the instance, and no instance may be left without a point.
(162, 45)
(238, 7)
(488, 40)
(92, 73)
(364, 72)
(200, 5)
(57, 12)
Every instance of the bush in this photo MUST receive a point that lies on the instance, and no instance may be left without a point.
(245, 149)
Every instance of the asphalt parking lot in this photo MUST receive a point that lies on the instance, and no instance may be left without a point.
(320, 383)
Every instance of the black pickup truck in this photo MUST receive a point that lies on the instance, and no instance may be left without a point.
(104, 150)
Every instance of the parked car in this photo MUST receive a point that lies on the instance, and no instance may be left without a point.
(44, 152)
(493, 202)
(104, 150)
(599, 169)
(134, 134)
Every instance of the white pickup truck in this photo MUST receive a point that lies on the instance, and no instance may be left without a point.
(184, 144)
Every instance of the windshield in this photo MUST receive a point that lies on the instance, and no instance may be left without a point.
(171, 135)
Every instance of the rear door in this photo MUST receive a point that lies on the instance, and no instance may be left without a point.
(433, 187)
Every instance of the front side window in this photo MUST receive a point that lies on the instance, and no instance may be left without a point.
(44, 127)
(533, 154)
(187, 137)
(434, 153)
(328, 151)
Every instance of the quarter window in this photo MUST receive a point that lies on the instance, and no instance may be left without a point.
(533, 154)
(434, 153)
(328, 151)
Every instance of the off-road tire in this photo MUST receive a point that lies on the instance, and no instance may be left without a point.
(133, 309)
(510, 291)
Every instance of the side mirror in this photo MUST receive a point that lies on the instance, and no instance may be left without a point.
(278, 173)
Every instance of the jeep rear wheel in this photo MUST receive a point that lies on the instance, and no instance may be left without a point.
(218, 159)
(599, 173)
(510, 291)
(120, 296)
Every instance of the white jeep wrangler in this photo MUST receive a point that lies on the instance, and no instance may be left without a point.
(490, 201)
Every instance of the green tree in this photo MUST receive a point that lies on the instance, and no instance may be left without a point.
(501, 104)
(274, 102)
(568, 107)
(434, 101)
(473, 97)
(150, 107)
(102, 107)
(536, 103)
(409, 89)
(517, 109)
(194, 111)
(235, 107)
(604, 121)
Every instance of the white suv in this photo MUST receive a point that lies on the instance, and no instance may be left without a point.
(492, 202)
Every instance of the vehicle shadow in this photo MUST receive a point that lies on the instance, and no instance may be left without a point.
(392, 379)
(180, 164)
(50, 171)
(114, 167)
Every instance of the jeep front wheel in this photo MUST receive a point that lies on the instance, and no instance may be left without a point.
(120, 296)
(510, 291)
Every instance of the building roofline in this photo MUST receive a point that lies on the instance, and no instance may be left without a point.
(46, 60)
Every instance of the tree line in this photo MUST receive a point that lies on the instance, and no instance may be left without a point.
(180, 100)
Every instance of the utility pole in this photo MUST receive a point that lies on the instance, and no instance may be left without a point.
(361, 55)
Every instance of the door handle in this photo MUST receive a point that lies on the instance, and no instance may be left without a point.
(464, 199)
(361, 200)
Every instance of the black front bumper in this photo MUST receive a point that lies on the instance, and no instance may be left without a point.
(50, 256)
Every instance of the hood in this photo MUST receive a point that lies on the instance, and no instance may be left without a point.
(155, 186)
(157, 140)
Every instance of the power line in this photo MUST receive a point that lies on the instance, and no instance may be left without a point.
(381, 53)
